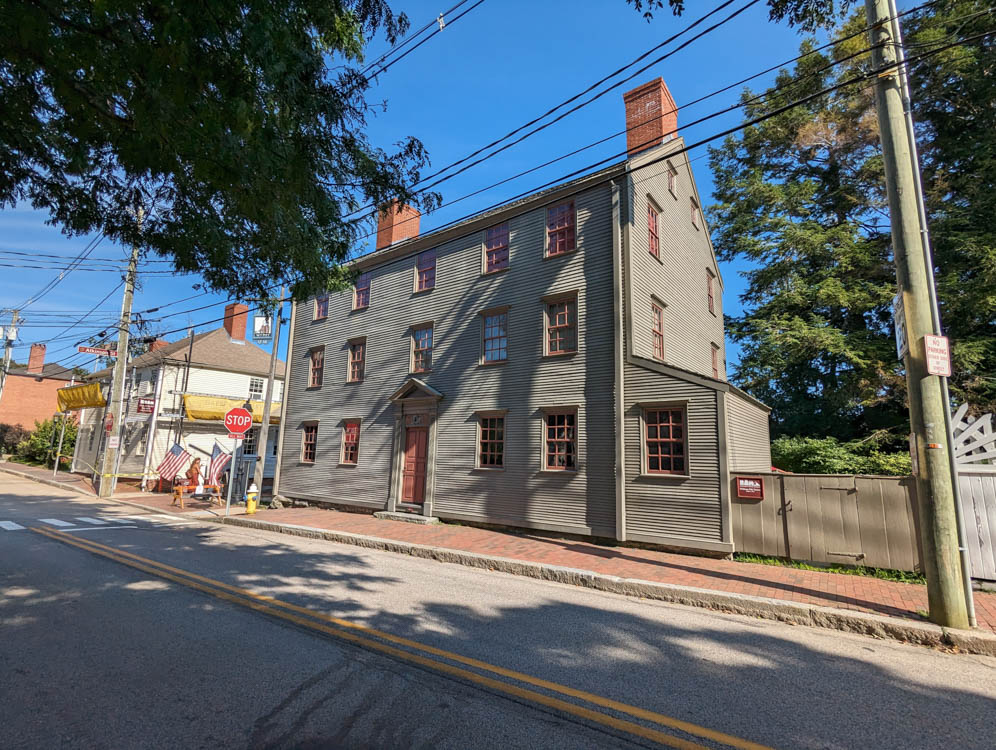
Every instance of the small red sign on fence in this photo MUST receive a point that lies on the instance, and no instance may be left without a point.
(750, 488)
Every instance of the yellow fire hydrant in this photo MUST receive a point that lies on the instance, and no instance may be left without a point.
(251, 496)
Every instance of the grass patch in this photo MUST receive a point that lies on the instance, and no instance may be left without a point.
(885, 574)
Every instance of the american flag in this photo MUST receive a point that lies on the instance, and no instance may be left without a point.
(173, 462)
(219, 460)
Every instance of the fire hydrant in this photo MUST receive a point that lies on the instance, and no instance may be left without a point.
(251, 496)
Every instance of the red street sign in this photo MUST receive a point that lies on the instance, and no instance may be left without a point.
(95, 350)
(238, 421)
(938, 355)
(146, 405)
(108, 423)
(750, 488)
(236, 435)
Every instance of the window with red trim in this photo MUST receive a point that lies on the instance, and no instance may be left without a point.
(710, 291)
(562, 327)
(652, 237)
(695, 213)
(715, 361)
(357, 360)
(309, 444)
(321, 307)
(350, 442)
(422, 349)
(491, 451)
(425, 271)
(496, 248)
(665, 441)
(495, 337)
(361, 297)
(561, 441)
(658, 313)
(317, 367)
(560, 229)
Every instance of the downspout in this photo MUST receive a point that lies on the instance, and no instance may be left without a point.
(284, 390)
(619, 357)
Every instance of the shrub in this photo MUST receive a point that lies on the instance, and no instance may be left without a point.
(10, 436)
(806, 455)
(40, 445)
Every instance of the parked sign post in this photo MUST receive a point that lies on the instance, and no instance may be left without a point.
(237, 421)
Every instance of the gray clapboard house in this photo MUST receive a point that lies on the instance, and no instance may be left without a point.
(557, 363)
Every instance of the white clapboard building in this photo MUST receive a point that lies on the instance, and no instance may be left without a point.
(179, 392)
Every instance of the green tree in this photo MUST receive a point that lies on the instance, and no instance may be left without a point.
(40, 445)
(953, 95)
(801, 200)
(806, 14)
(239, 126)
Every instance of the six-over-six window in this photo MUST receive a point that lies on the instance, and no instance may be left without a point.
(562, 326)
(309, 443)
(357, 360)
(664, 441)
(561, 441)
(317, 367)
(422, 349)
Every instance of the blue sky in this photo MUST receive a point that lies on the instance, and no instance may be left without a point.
(485, 74)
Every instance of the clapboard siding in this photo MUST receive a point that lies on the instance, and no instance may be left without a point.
(678, 279)
(674, 507)
(523, 385)
(747, 441)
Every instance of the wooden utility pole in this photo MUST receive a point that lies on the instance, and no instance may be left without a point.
(109, 461)
(931, 440)
(8, 348)
(264, 427)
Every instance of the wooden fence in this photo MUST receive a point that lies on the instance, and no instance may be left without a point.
(831, 518)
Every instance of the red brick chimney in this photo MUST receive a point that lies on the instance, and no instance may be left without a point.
(396, 223)
(159, 344)
(236, 315)
(36, 360)
(651, 116)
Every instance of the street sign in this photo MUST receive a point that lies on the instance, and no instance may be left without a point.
(113, 442)
(938, 355)
(108, 423)
(238, 421)
(236, 435)
(262, 329)
(750, 488)
(146, 405)
(98, 351)
(899, 324)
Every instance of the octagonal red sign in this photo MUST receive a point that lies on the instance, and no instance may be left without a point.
(238, 420)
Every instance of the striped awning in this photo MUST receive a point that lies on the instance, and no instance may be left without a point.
(214, 408)
(80, 397)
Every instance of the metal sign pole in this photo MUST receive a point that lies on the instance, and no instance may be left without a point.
(236, 457)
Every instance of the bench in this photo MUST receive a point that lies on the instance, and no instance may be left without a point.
(190, 489)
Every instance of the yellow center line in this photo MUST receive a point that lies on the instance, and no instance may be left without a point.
(272, 606)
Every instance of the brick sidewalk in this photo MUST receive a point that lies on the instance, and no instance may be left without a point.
(817, 588)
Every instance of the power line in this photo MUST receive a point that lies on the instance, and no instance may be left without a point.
(65, 272)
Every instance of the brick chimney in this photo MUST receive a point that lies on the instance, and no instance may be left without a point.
(395, 223)
(236, 315)
(36, 360)
(651, 116)
(158, 344)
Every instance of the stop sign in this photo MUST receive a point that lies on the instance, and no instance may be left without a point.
(238, 420)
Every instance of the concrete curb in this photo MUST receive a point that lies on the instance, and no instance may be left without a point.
(879, 626)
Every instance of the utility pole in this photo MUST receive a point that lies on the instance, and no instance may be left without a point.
(268, 403)
(110, 458)
(8, 348)
(931, 439)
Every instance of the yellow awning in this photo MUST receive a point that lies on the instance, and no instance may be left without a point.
(80, 397)
(213, 408)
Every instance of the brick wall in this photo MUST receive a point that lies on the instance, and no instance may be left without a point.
(27, 399)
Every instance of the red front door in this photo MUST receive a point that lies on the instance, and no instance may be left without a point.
(413, 478)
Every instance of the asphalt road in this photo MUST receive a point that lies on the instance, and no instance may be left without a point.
(96, 652)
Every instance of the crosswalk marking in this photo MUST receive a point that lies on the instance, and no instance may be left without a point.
(93, 524)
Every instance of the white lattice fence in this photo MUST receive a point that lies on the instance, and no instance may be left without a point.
(975, 455)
